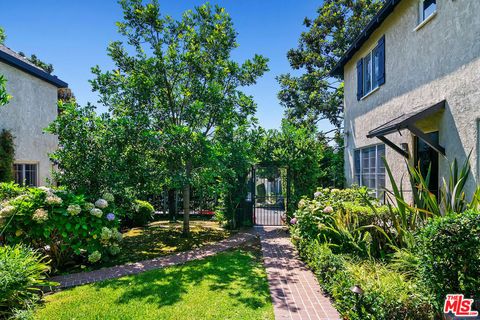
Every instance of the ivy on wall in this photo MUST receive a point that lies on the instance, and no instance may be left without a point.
(7, 153)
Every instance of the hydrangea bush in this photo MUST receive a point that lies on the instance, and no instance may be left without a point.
(65, 226)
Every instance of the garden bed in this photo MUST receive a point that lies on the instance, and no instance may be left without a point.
(158, 239)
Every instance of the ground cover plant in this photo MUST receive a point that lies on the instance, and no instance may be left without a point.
(229, 285)
(405, 256)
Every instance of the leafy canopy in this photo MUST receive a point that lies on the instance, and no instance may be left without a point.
(314, 94)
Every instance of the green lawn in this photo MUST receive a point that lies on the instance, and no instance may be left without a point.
(230, 285)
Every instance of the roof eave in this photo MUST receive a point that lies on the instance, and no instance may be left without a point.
(376, 21)
(19, 64)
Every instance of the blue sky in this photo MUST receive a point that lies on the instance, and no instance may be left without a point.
(73, 36)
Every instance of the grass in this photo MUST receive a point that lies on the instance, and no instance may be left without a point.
(229, 285)
(158, 239)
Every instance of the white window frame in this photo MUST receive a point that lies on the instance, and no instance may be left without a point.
(378, 192)
(37, 170)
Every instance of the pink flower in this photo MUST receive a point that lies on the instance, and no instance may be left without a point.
(328, 209)
(293, 221)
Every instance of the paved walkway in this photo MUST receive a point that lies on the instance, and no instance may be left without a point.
(295, 291)
(76, 279)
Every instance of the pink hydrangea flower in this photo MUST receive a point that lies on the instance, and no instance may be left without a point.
(328, 209)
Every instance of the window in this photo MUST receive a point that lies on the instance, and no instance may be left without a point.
(26, 174)
(426, 9)
(370, 169)
(371, 70)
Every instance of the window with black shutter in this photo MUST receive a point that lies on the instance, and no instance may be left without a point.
(371, 70)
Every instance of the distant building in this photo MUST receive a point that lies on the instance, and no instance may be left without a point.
(412, 92)
(32, 108)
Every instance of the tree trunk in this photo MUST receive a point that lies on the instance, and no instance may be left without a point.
(186, 210)
(171, 204)
(186, 201)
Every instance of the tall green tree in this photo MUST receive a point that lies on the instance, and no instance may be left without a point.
(314, 94)
(178, 77)
(311, 161)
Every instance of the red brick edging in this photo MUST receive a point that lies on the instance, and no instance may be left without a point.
(76, 279)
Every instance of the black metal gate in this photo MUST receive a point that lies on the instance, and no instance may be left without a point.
(269, 191)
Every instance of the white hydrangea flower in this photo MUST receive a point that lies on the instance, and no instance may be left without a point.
(106, 234)
(101, 203)
(118, 236)
(74, 209)
(317, 194)
(96, 212)
(7, 211)
(89, 206)
(114, 249)
(40, 215)
(108, 197)
(328, 209)
(53, 200)
(94, 257)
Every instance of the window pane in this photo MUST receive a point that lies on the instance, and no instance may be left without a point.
(26, 174)
(375, 67)
(429, 6)
(18, 173)
(367, 74)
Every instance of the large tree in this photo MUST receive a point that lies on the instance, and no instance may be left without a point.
(178, 77)
(314, 94)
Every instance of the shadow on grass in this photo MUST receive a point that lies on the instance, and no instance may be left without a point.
(236, 273)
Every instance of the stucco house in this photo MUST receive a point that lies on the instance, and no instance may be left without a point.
(412, 92)
(32, 108)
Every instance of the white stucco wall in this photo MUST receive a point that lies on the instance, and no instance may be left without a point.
(439, 61)
(32, 108)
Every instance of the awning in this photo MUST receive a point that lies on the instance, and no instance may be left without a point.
(408, 121)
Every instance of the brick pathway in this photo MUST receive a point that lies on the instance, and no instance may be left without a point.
(295, 291)
(77, 279)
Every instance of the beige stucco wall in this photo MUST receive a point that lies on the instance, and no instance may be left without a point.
(32, 108)
(439, 61)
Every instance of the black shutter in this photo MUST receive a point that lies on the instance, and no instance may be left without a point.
(381, 61)
(359, 79)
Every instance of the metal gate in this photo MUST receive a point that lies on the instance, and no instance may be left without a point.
(269, 195)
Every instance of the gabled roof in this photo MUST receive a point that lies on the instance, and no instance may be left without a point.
(12, 58)
(377, 20)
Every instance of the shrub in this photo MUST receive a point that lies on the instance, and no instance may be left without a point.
(142, 214)
(63, 225)
(387, 293)
(348, 219)
(449, 255)
(22, 272)
(7, 155)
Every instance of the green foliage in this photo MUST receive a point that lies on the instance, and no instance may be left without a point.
(3, 36)
(7, 156)
(62, 224)
(313, 95)
(343, 219)
(142, 214)
(387, 293)
(4, 97)
(47, 67)
(175, 105)
(307, 156)
(449, 255)
(105, 153)
(22, 273)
